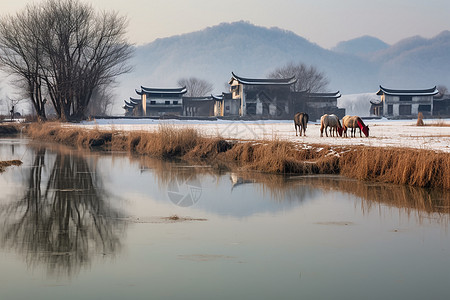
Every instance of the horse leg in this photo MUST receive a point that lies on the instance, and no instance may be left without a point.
(295, 125)
(321, 130)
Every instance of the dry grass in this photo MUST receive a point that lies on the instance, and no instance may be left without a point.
(422, 168)
(402, 166)
(438, 123)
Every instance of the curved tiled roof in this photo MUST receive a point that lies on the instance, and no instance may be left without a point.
(178, 90)
(323, 95)
(267, 81)
(424, 92)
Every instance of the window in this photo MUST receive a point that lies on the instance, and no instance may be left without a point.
(404, 110)
(405, 98)
(167, 102)
(227, 107)
(175, 102)
(390, 110)
(251, 108)
(152, 102)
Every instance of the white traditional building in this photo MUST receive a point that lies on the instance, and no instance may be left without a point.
(404, 103)
(161, 101)
(261, 97)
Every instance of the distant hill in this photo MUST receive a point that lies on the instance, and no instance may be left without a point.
(356, 66)
(246, 49)
(362, 46)
(254, 51)
(415, 62)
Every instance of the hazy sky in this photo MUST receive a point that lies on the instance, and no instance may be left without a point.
(324, 22)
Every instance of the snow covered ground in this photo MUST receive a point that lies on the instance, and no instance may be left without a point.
(383, 133)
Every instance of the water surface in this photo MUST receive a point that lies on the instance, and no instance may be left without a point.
(78, 225)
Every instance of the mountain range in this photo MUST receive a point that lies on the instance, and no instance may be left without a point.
(356, 66)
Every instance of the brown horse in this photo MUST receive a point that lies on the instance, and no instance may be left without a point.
(300, 121)
(354, 122)
(331, 121)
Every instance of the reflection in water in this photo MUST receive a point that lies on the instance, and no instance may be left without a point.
(421, 202)
(63, 217)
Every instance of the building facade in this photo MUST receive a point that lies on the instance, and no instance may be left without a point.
(261, 97)
(248, 98)
(404, 103)
(161, 101)
(317, 104)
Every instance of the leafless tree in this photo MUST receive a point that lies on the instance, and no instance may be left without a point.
(443, 90)
(101, 103)
(196, 87)
(64, 49)
(21, 54)
(309, 78)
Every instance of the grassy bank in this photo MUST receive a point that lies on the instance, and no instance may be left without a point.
(396, 165)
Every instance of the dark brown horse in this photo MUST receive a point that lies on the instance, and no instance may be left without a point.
(354, 122)
(300, 121)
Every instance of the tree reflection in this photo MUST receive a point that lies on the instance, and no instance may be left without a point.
(64, 218)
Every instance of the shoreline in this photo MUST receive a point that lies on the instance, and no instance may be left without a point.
(399, 165)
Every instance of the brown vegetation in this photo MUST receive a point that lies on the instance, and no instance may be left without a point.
(422, 168)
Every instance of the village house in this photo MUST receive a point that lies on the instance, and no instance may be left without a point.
(198, 106)
(441, 105)
(404, 103)
(261, 97)
(317, 104)
(248, 98)
(157, 102)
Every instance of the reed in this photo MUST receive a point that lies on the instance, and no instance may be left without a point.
(421, 168)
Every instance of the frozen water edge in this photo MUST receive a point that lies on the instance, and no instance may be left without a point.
(383, 133)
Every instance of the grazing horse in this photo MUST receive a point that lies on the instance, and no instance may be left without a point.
(354, 122)
(300, 121)
(331, 121)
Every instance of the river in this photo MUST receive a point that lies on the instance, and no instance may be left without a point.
(92, 225)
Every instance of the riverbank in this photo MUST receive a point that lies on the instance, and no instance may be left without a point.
(409, 166)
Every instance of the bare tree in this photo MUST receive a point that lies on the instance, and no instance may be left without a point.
(443, 90)
(196, 87)
(21, 54)
(63, 48)
(309, 78)
(101, 103)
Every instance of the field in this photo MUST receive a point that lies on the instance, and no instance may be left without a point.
(396, 152)
(435, 135)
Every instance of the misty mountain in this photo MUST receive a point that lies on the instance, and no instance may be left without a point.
(356, 66)
(415, 61)
(254, 51)
(248, 50)
(362, 46)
